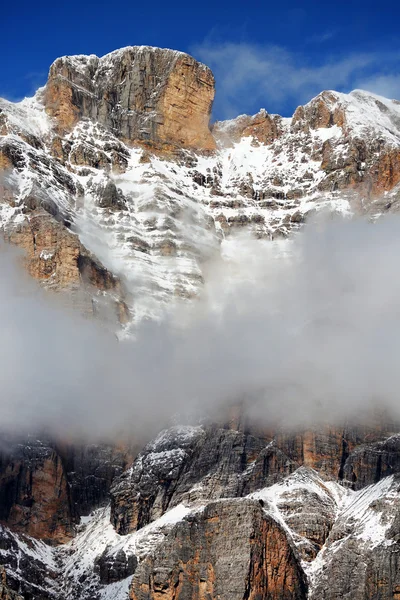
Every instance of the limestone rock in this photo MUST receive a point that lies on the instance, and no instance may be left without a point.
(34, 492)
(262, 127)
(369, 463)
(323, 111)
(91, 469)
(29, 574)
(5, 592)
(193, 465)
(360, 560)
(231, 550)
(139, 93)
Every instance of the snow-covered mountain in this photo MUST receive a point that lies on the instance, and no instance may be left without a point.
(152, 206)
(121, 194)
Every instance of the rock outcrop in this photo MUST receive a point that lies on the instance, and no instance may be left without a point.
(118, 150)
(193, 465)
(262, 127)
(139, 93)
(196, 465)
(34, 492)
(29, 566)
(360, 560)
(369, 463)
(5, 592)
(232, 551)
(90, 471)
(46, 486)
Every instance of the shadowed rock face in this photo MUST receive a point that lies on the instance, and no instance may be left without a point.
(369, 463)
(196, 465)
(34, 492)
(5, 592)
(139, 93)
(231, 551)
(45, 487)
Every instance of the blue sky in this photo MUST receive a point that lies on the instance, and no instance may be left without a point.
(263, 54)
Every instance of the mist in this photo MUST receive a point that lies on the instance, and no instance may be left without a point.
(301, 332)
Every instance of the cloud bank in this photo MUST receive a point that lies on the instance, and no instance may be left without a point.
(310, 336)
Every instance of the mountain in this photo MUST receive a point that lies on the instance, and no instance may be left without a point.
(129, 192)
(121, 193)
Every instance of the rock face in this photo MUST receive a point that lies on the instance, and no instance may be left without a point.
(90, 471)
(262, 127)
(34, 492)
(230, 551)
(5, 592)
(45, 487)
(196, 465)
(55, 255)
(29, 566)
(139, 93)
(301, 537)
(193, 465)
(367, 528)
(369, 463)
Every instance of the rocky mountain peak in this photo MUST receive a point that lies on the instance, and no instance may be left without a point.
(139, 93)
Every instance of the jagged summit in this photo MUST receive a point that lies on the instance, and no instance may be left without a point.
(116, 55)
(138, 92)
(119, 148)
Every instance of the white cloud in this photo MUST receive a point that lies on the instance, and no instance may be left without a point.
(313, 337)
(384, 85)
(323, 37)
(251, 76)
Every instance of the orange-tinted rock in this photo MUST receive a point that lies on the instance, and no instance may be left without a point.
(327, 448)
(55, 256)
(230, 551)
(5, 592)
(139, 93)
(34, 493)
(262, 127)
(387, 172)
(5, 161)
(322, 111)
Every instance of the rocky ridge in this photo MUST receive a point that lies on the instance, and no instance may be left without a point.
(137, 193)
(301, 537)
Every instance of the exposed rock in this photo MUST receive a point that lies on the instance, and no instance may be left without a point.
(262, 127)
(115, 567)
(5, 592)
(326, 448)
(139, 93)
(28, 572)
(161, 208)
(34, 492)
(322, 111)
(90, 470)
(361, 558)
(55, 256)
(369, 463)
(231, 550)
(307, 505)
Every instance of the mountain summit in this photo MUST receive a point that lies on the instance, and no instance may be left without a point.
(119, 150)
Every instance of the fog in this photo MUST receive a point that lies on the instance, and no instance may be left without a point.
(301, 332)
